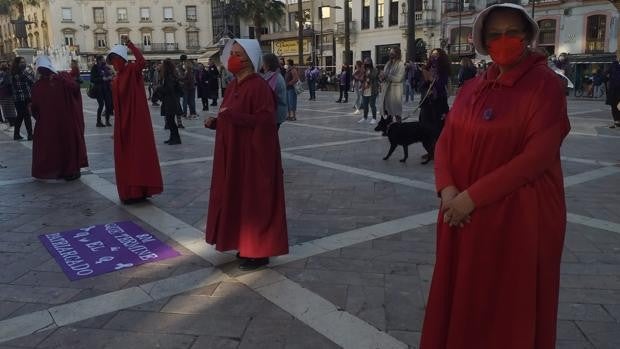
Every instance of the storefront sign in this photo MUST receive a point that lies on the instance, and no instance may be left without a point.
(289, 47)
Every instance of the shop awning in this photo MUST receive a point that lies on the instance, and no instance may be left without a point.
(591, 58)
(210, 52)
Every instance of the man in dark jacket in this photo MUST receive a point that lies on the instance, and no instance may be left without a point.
(213, 83)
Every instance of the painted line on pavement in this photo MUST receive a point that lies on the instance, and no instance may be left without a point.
(593, 222)
(361, 172)
(590, 175)
(588, 161)
(295, 123)
(337, 325)
(70, 313)
(356, 236)
(574, 133)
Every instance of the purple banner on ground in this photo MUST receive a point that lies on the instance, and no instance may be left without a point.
(100, 249)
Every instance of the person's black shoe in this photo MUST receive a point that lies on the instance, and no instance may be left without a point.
(253, 263)
(338, 101)
(174, 142)
(214, 104)
(73, 177)
(155, 104)
(29, 137)
(134, 201)
(100, 124)
(166, 142)
(18, 138)
(107, 123)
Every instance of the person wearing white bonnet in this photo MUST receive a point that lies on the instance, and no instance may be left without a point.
(45, 62)
(246, 203)
(58, 149)
(501, 226)
(136, 163)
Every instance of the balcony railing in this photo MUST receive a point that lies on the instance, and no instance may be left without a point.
(159, 47)
(462, 49)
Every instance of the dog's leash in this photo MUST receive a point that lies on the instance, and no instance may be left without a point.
(428, 92)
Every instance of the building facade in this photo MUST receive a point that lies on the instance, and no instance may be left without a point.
(161, 28)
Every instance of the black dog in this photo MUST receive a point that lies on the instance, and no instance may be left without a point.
(405, 134)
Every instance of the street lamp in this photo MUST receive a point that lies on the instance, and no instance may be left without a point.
(321, 28)
(347, 40)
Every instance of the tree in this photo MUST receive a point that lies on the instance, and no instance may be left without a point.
(261, 12)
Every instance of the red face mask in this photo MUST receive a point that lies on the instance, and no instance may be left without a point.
(506, 50)
(235, 64)
(118, 63)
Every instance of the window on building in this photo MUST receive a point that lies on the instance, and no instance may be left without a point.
(383, 53)
(393, 13)
(546, 38)
(595, 34)
(379, 11)
(168, 14)
(366, 14)
(192, 40)
(190, 13)
(101, 40)
(98, 14)
(121, 14)
(69, 38)
(145, 14)
(147, 39)
(169, 37)
(67, 14)
(122, 35)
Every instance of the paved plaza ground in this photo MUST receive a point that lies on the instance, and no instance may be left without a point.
(361, 232)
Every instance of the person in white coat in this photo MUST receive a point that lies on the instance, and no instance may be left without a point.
(392, 87)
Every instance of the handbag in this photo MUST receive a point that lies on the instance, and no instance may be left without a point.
(299, 87)
(91, 92)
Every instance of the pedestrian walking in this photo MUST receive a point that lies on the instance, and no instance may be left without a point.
(272, 75)
(246, 204)
(202, 86)
(188, 81)
(225, 78)
(171, 91)
(344, 82)
(358, 81)
(22, 82)
(214, 76)
(312, 76)
(613, 92)
(291, 78)
(136, 163)
(410, 69)
(7, 102)
(370, 90)
(466, 71)
(58, 149)
(392, 86)
(100, 80)
(156, 83)
(500, 230)
(434, 106)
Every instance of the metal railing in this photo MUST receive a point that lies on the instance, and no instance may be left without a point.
(159, 47)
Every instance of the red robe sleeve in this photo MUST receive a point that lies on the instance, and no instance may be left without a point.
(140, 62)
(443, 174)
(546, 129)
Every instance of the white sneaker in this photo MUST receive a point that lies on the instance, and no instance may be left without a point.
(361, 121)
(373, 121)
(356, 112)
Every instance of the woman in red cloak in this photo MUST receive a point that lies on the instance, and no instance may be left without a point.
(58, 149)
(501, 227)
(246, 203)
(136, 163)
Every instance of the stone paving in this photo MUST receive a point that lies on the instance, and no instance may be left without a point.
(337, 190)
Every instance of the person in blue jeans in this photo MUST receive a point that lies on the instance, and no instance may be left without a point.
(291, 77)
(370, 90)
(312, 75)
